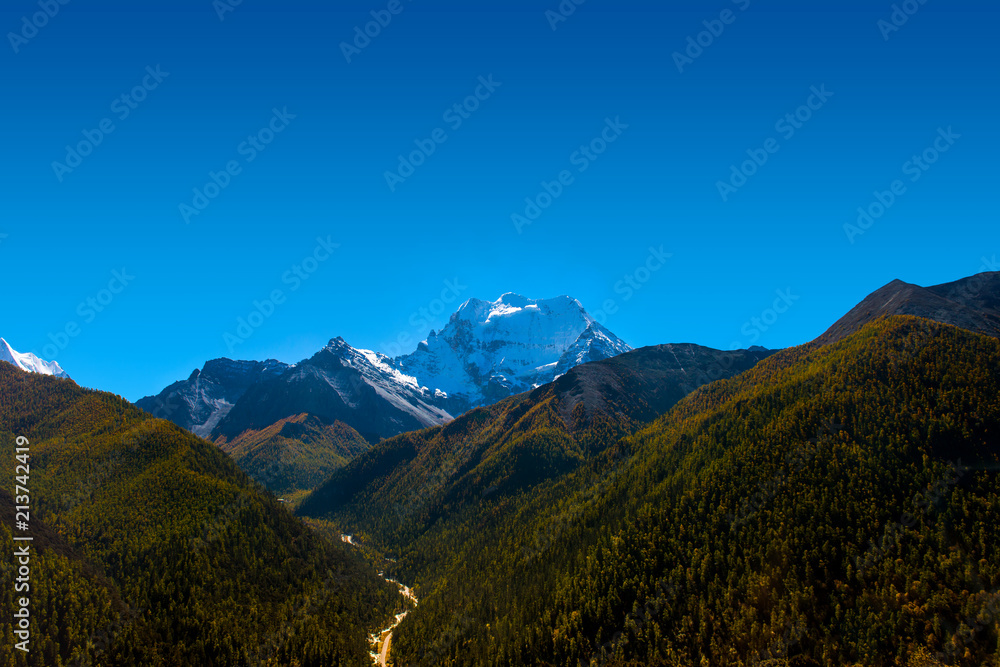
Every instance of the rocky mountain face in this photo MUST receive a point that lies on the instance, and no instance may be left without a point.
(488, 351)
(339, 383)
(201, 401)
(521, 440)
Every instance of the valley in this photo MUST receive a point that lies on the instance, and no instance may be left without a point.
(673, 342)
(382, 640)
(665, 505)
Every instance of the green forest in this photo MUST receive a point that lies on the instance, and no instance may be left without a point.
(294, 455)
(153, 548)
(835, 505)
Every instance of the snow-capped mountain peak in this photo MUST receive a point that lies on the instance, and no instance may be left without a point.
(29, 362)
(489, 350)
(492, 349)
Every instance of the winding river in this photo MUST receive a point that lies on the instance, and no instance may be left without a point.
(382, 640)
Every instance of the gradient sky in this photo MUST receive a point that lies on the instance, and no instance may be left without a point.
(323, 176)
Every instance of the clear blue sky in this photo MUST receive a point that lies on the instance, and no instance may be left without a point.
(324, 173)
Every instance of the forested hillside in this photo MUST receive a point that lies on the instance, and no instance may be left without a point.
(834, 505)
(153, 548)
(518, 443)
(296, 454)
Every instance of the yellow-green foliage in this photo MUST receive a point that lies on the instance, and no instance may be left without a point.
(192, 563)
(763, 518)
(295, 454)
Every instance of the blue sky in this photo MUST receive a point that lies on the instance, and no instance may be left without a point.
(267, 93)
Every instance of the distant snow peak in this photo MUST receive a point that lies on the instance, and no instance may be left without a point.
(29, 362)
(490, 349)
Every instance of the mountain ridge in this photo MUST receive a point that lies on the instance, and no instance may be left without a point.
(761, 506)
(209, 393)
(971, 303)
(488, 351)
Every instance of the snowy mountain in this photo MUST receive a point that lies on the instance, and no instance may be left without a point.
(358, 388)
(201, 401)
(487, 352)
(491, 350)
(29, 362)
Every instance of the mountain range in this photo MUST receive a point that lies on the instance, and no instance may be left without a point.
(831, 503)
(292, 425)
(207, 396)
(488, 351)
(549, 502)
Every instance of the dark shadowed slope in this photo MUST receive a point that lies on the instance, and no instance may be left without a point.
(339, 383)
(971, 303)
(208, 395)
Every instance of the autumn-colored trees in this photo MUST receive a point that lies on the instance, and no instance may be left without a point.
(835, 505)
(160, 551)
